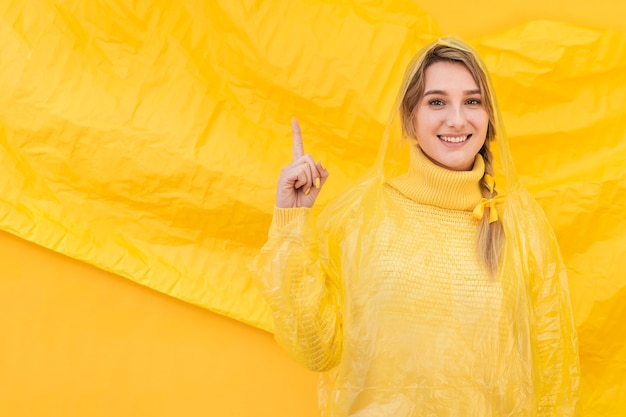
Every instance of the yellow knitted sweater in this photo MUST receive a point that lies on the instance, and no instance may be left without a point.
(394, 302)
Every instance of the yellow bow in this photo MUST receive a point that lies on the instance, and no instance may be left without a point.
(479, 210)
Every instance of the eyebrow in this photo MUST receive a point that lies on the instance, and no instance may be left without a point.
(443, 93)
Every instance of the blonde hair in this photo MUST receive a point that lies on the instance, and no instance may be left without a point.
(490, 235)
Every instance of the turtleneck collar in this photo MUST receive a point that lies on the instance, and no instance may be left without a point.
(430, 184)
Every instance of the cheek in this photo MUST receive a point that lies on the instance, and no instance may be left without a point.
(424, 121)
(481, 121)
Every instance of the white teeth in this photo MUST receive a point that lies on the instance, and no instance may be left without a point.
(453, 139)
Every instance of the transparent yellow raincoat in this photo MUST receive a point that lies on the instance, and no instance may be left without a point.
(382, 291)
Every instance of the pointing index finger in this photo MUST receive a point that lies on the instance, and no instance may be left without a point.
(298, 145)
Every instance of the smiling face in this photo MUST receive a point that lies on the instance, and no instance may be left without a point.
(450, 118)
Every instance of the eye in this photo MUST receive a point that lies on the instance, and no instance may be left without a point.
(474, 102)
(435, 102)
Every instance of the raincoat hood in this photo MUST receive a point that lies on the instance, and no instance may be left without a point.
(393, 156)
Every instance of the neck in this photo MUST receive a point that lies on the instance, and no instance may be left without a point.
(430, 184)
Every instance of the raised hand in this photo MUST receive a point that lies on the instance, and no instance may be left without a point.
(300, 182)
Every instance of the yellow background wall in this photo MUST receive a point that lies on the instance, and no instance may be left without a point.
(77, 341)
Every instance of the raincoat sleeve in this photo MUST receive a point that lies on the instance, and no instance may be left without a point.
(557, 364)
(302, 289)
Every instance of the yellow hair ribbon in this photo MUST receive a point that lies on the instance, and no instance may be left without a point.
(479, 210)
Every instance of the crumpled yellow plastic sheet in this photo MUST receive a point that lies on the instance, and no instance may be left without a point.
(146, 137)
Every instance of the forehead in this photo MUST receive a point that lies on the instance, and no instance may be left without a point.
(446, 75)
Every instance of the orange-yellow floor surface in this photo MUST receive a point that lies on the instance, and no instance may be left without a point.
(77, 341)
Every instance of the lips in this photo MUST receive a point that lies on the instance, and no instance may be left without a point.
(454, 138)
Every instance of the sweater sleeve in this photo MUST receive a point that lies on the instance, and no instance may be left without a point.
(557, 364)
(303, 294)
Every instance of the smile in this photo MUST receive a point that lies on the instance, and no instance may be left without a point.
(454, 139)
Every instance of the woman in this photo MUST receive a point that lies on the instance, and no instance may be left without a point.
(423, 291)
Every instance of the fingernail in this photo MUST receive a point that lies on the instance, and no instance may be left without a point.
(307, 191)
(317, 182)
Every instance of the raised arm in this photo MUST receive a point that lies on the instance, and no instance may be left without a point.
(303, 294)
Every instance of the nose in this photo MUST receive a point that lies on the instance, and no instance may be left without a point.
(456, 117)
